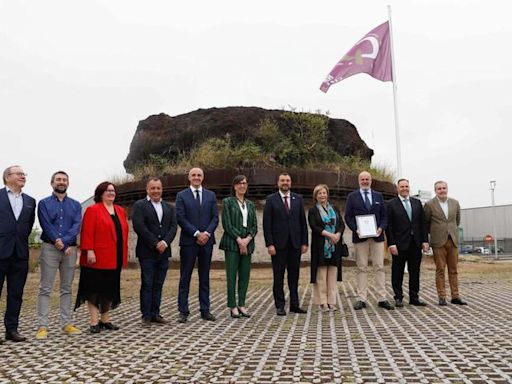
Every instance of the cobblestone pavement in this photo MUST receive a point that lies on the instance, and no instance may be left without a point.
(452, 344)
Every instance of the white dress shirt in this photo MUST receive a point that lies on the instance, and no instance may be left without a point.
(158, 208)
(289, 199)
(245, 212)
(444, 207)
(200, 189)
(362, 192)
(16, 201)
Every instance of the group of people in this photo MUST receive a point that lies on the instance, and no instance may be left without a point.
(407, 225)
(104, 232)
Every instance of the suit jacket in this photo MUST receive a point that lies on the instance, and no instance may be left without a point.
(400, 228)
(355, 206)
(191, 218)
(150, 231)
(14, 233)
(439, 226)
(232, 221)
(99, 234)
(318, 241)
(280, 227)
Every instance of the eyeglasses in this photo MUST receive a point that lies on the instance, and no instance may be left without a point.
(20, 174)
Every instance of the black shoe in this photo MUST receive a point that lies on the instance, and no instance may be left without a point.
(386, 305)
(233, 314)
(458, 301)
(243, 314)
(399, 303)
(297, 310)
(182, 318)
(207, 316)
(159, 320)
(359, 305)
(418, 303)
(108, 325)
(280, 312)
(14, 336)
(442, 301)
(146, 322)
(94, 328)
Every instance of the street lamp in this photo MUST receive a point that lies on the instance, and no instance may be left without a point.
(493, 186)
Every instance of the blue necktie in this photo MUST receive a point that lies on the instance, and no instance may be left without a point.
(408, 208)
(198, 199)
(367, 203)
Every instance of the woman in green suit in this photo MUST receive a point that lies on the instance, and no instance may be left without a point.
(240, 228)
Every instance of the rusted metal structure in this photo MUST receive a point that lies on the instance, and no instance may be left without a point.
(262, 182)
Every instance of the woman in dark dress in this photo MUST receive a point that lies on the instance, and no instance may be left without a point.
(326, 239)
(104, 251)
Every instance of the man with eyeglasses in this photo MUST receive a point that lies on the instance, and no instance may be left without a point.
(60, 217)
(17, 214)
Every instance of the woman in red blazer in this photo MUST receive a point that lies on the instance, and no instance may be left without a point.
(104, 251)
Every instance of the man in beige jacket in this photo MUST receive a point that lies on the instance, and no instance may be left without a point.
(442, 215)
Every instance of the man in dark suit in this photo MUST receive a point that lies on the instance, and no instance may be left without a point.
(366, 201)
(407, 235)
(286, 238)
(198, 217)
(17, 214)
(154, 221)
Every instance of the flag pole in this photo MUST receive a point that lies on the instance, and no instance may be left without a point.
(395, 102)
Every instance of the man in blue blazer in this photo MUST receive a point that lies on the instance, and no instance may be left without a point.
(366, 201)
(154, 222)
(17, 214)
(198, 217)
(286, 238)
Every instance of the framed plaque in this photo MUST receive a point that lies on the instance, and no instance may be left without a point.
(366, 226)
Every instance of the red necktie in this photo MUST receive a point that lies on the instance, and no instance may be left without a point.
(286, 205)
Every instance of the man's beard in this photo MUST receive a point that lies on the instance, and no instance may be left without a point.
(60, 189)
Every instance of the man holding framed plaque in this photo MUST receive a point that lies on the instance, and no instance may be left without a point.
(366, 216)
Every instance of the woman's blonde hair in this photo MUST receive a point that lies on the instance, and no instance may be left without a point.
(318, 188)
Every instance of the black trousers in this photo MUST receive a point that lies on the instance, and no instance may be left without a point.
(14, 270)
(287, 259)
(411, 256)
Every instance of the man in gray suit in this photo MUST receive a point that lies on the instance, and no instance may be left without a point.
(442, 215)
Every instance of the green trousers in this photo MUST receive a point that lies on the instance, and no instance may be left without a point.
(237, 265)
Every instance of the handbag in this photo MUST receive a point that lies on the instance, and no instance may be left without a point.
(344, 250)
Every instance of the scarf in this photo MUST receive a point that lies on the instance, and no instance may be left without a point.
(329, 219)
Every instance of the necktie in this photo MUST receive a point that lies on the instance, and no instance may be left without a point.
(367, 203)
(286, 205)
(408, 209)
(198, 199)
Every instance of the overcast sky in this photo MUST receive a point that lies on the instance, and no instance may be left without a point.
(76, 78)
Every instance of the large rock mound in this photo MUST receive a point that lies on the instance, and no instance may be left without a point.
(169, 136)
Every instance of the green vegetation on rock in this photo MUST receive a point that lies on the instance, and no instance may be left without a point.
(301, 143)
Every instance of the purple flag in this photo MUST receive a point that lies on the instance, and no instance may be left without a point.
(371, 55)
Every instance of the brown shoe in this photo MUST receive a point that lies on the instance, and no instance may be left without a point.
(146, 322)
(159, 320)
(14, 336)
